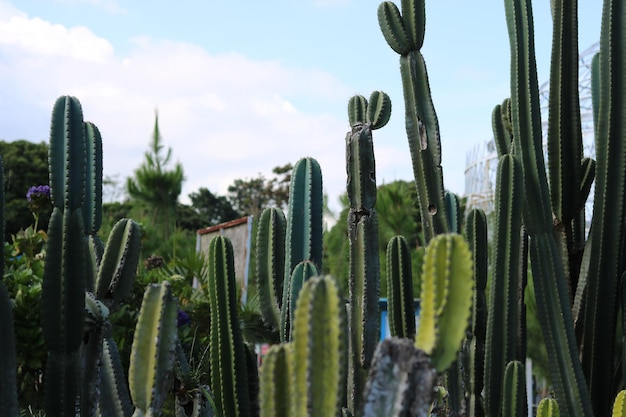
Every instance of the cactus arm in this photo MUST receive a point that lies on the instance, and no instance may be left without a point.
(548, 407)
(119, 263)
(319, 347)
(453, 210)
(270, 263)
(400, 382)
(378, 109)
(503, 320)
(92, 206)
(357, 110)
(400, 304)
(301, 273)
(607, 242)
(226, 346)
(514, 391)
(114, 395)
(276, 396)
(153, 349)
(553, 303)
(501, 134)
(447, 291)
(565, 141)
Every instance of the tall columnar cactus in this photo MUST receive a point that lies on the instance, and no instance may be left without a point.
(553, 302)
(503, 319)
(152, 354)
(400, 303)
(226, 349)
(364, 270)
(276, 396)
(63, 295)
(607, 259)
(446, 299)
(548, 407)
(476, 234)
(405, 35)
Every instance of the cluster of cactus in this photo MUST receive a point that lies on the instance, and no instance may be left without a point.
(84, 281)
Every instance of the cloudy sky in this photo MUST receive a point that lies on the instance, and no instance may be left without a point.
(244, 86)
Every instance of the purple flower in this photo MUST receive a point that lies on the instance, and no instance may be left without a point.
(37, 192)
(183, 318)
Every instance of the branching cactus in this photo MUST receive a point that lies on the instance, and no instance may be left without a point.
(226, 349)
(404, 32)
(282, 244)
(364, 270)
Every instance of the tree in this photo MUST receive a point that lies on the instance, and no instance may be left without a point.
(25, 165)
(212, 209)
(155, 189)
(251, 196)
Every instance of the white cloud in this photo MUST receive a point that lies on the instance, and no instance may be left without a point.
(225, 116)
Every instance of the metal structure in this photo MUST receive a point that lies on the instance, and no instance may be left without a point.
(481, 161)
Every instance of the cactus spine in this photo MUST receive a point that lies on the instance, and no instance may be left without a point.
(227, 351)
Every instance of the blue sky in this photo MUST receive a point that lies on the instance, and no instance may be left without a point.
(244, 86)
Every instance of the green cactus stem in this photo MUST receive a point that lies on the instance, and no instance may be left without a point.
(607, 257)
(226, 347)
(401, 381)
(446, 299)
(400, 303)
(270, 263)
(619, 405)
(548, 407)
(514, 391)
(376, 112)
(319, 349)
(276, 396)
(152, 354)
(114, 395)
(553, 303)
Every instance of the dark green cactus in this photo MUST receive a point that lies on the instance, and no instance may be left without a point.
(364, 269)
(270, 263)
(400, 303)
(404, 33)
(152, 355)
(514, 391)
(503, 320)
(376, 112)
(553, 303)
(227, 351)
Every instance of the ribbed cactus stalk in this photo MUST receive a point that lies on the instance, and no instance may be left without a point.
(319, 349)
(270, 263)
(276, 396)
(153, 351)
(226, 347)
(63, 294)
(364, 269)
(619, 405)
(446, 299)
(114, 394)
(476, 235)
(548, 407)
(607, 258)
(514, 391)
(401, 381)
(553, 302)
(400, 303)
(405, 35)
(503, 320)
